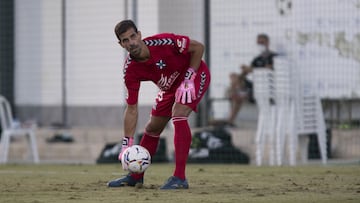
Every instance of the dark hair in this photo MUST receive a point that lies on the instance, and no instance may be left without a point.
(264, 36)
(124, 26)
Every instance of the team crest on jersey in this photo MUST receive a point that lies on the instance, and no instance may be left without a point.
(161, 64)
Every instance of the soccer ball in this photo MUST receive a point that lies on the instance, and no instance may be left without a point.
(136, 159)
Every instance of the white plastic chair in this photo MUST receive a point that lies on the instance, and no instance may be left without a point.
(10, 130)
(299, 113)
(264, 95)
(284, 96)
(309, 119)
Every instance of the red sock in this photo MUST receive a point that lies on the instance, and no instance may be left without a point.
(150, 142)
(182, 141)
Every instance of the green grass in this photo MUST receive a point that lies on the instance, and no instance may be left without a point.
(208, 183)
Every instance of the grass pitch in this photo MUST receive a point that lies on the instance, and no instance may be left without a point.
(208, 183)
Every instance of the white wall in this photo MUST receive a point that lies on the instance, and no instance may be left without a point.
(183, 17)
(37, 52)
(94, 60)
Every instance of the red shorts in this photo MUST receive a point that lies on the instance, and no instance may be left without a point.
(165, 100)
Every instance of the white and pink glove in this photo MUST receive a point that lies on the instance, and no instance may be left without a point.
(126, 143)
(185, 93)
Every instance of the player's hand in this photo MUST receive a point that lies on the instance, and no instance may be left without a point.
(185, 93)
(121, 152)
(126, 143)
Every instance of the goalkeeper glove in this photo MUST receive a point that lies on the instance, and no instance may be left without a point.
(185, 93)
(126, 143)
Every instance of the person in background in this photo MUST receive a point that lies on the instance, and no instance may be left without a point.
(241, 88)
(236, 94)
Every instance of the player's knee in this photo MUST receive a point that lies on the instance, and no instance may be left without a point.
(181, 110)
(152, 130)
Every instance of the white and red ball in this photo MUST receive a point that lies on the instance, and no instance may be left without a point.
(136, 159)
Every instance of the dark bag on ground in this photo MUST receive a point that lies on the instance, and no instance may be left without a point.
(314, 150)
(215, 146)
(110, 152)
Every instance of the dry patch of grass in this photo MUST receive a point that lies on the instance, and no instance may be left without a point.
(208, 183)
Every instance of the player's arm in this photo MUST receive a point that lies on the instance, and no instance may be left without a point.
(130, 120)
(130, 114)
(196, 49)
(131, 110)
(186, 91)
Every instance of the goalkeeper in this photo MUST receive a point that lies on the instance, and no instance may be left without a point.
(174, 63)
